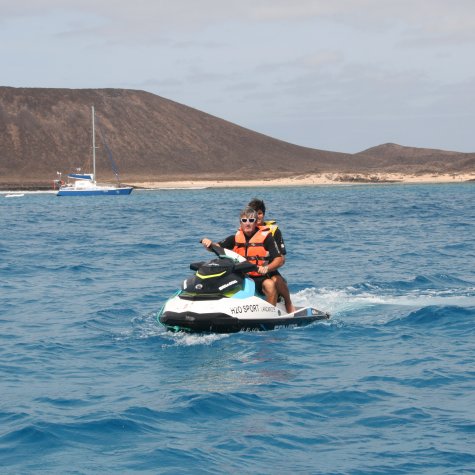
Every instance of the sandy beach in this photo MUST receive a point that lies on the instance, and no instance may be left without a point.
(312, 180)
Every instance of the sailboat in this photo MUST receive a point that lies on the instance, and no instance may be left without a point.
(85, 184)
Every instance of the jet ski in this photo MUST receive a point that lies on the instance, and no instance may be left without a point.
(221, 298)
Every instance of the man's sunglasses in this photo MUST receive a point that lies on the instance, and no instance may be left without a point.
(245, 220)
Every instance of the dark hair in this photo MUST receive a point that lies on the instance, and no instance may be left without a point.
(258, 205)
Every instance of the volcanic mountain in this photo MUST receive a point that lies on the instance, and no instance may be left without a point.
(43, 131)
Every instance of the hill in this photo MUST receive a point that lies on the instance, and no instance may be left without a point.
(397, 158)
(152, 139)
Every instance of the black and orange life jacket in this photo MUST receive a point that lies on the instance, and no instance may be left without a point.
(253, 250)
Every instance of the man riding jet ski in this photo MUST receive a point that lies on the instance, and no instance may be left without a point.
(223, 295)
(257, 245)
(280, 282)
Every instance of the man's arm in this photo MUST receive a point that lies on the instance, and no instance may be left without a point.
(276, 260)
(274, 265)
(279, 239)
(227, 243)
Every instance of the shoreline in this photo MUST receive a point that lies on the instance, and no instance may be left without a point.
(313, 180)
(322, 179)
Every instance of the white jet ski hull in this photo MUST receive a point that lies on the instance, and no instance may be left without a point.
(231, 315)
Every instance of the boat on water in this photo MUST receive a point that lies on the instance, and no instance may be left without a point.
(221, 298)
(85, 184)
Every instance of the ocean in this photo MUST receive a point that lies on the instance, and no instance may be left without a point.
(90, 383)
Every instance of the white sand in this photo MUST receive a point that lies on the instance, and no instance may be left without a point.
(312, 180)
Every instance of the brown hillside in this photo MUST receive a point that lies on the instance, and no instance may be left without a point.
(396, 158)
(47, 130)
(152, 138)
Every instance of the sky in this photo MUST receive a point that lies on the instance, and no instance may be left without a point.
(340, 75)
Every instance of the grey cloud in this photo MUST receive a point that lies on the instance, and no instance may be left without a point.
(434, 19)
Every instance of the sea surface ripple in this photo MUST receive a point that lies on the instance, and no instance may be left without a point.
(91, 384)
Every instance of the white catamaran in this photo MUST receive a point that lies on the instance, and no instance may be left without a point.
(85, 184)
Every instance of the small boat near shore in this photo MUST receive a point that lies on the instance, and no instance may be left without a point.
(89, 187)
(85, 184)
(14, 195)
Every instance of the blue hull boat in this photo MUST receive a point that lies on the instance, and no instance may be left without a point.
(85, 184)
(97, 191)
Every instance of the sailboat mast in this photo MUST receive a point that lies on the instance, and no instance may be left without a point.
(93, 145)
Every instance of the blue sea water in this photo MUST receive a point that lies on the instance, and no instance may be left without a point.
(89, 382)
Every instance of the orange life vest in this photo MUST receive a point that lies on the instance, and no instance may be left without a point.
(253, 250)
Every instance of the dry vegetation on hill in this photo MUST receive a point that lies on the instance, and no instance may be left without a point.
(153, 139)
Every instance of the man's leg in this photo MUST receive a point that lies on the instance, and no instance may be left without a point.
(270, 291)
(283, 289)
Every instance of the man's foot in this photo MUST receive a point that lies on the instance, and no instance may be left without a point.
(290, 308)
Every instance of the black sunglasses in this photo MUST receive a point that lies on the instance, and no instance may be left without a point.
(245, 220)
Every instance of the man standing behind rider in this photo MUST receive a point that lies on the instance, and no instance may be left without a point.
(258, 246)
(280, 282)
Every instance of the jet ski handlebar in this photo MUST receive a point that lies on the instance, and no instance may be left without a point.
(218, 250)
(244, 266)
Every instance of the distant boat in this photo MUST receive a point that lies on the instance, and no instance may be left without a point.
(85, 184)
(14, 195)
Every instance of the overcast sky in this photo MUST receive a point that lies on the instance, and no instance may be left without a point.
(341, 75)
